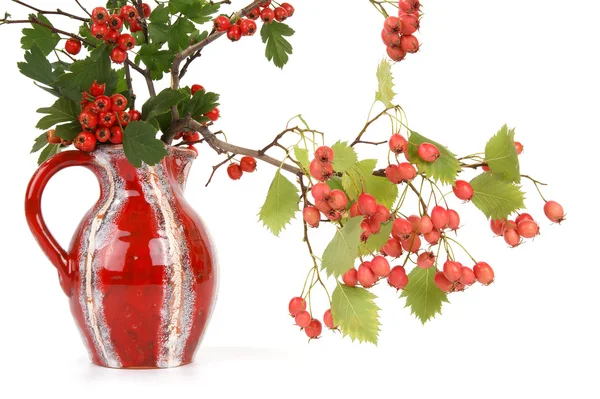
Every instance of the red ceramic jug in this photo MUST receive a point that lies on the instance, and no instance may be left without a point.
(140, 273)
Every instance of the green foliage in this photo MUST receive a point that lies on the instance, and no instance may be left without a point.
(423, 297)
(157, 60)
(355, 311)
(63, 110)
(68, 131)
(201, 103)
(501, 155)
(199, 11)
(39, 35)
(342, 251)
(160, 15)
(40, 142)
(36, 66)
(162, 103)
(179, 34)
(376, 241)
(113, 4)
(141, 145)
(345, 156)
(85, 32)
(445, 169)
(281, 204)
(360, 178)
(496, 198)
(278, 48)
(385, 80)
(48, 152)
(301, 155)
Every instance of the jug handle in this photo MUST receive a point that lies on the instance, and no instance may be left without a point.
(33, 210)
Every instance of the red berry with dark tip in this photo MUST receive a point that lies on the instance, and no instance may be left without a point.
(248, 164)
(222, 23)
(395, 53)
(320, 191)
(100, 15)
(350, 278)
(319, 171)
(103, 134)
(367, 204)
(484, 273)
(281, 14)
(410, 24)
(116, 135)
(99, 31)
(392, 248)
(73, 46)
(126, 42)
(366, 277)
(554, 211)
(85, 141)
(324, 154)
(289, 8)
(267, 15)
(428, 152)
(147, 10)
(397, 277)
(392, 25)
(426, 260)
(97, 89)
(409, 43)
(118, 56)
(312, 216)
(234, 33)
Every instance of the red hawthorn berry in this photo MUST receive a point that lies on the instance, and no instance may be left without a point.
(442, 282)
(485, 168)
(433, 237)
(392, 25)
(410, 24)
(334, 215)
(398, 278)
(426, 260)
(366, 230)
(354, 211)
(289, 8)
(314, 329)
(380, 266)
(52, 138)
(412, 243)
(85, 141)
(234, 171)
(324, 154)
(135, 115)
(467, 276)
(382, 214)
(129, 13)
(99, 31)
(103, 134)
(116, 135)
(366, 277)
(115, 22)
(254, 14)
(90, 106)
(191, 147)
(407, 171)
(414, 222)
(319, 171)
(453, 219)
(118, 102)
(409, 6)
(265, 3)
(323, 206)
(248, 164)
(135, 26)
(390, 39)
(73, 46)
(234, 33)
(303, 319)
(196, 88)
(522, 217)
(425, 225)
(337, 200)
(296, 305)
(528, 229)
(222, 23)
(498, 226)
(126, 42)
(396, 53)
(112, 37)
(103, 103)
(398, 143)
(367, 204)
(428, 152)
(512, 237)
(439, 217)
(281, 14)
(409, 44)
(191, 137)
(66, 143)
(350, 278)
(248, 27)
(123, 118)
(118, 56)
(392, 248)
(393, 174)
(107, 119)
(452, 270)
(328, 320)
(320, 191)
(213, 114)
(518, 147)
(463, 190)
(483, 273)
(100, 15)
(88, 120)
(97, 89)
(554, 211)
(312, 216)
(401, 229)
(267, 15)
(374, 225)
(147, 10)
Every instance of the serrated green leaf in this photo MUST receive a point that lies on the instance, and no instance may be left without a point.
(344, 156)
(141, 145)
(40, 142)
(342, 251)
(160, 15)
(496, 198)
(36, 66)
(48, 152)
(158, 61)
(355, 312)
(114, 4)
(423, 297)
(501, 155)
(360, 178)
(198, 11)
(278, 48)
(63, 110)
(201, 103)
(41, 36)
(121, 84)
(68, 131)
(179, 34)
(301, 155)
(335, 183)
(281, 204)
(159, 33)
(376, 241)
(445, 169)
(162, 103)
(385, 81)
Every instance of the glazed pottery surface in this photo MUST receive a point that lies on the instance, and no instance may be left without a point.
(140, 273)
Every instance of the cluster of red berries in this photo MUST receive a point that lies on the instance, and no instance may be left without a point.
(311, 326)
(406, 171)
(397, 33)
(247, 26)
(108, 27)
(103, 118)
(236, 170)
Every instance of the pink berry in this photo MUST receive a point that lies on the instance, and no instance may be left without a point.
(410, 24)
(554, 211)
(425, 225)
(338, 200)
(442, 282)
(439, 217)
(314, 329)
(433, 237)
(324, 154)
(311, 216)
(382, 214)
(296, 305)
(367, 204)
(453, 219)
(407, 171)
(409, 43)
(380, 266)
(328, 320)
(401, 229)
(398, 143)
(320, 191)
(350, 278)
(498, 226)
(412, 243)
(528, 229)
(398, 278)
(512, 237)
(303, 319)
(463, 190)
(366, 277)
(426, 260)
(428, 152)
(320, 171)
(522, 217)
(484, 273)
(452, 270)
(392, 248)
(392, 173)
(467, 276)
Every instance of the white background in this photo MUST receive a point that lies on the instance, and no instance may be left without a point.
(534, 333)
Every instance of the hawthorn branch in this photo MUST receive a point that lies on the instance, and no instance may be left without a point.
(142, 20)
(216, 167)
(48, 12)
(83, 8)
(369, 123)
(129, 85)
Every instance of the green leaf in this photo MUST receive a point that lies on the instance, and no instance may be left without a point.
(63, 110)
(158, 61)
(376, 241)
(278, 48)
(423, 297)
(85, 32)
(162, 103)
(199, 11)
(495, 197)
(281, 204)
(344, 156)
(40, 142)
(121, 84)
(41, 36)
(179, 34)
(360, 178)
(68, 131)
(445, 169)
(501, 155)
(160, 15)
(48, 152)
(114, 4)
(159, 33)
(141, 145)
(385, 80)
(36, 66)
(201, 103)
(335, 183)
(355, 312)
(342, 251)
(301, 155)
